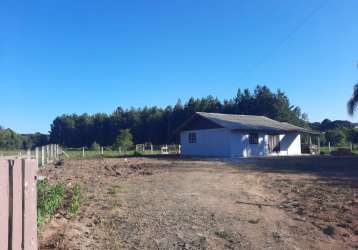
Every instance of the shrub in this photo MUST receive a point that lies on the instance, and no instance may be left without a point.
(95, 146)
(123, 140)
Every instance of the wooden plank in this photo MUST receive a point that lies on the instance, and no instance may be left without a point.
(17, 205)
(4, 204)
(30, 203)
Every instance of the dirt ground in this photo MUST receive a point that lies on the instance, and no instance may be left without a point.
(148, 203)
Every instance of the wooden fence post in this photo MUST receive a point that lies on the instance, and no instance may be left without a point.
(16, 192)
(4, 215)
(51, 152)
(37, 155)
(42, 156)
(29, 200)
(47, 155)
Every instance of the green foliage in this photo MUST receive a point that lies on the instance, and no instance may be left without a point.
(336, 137)
(49, 199)
(124, 139)
(75, 200)
(157, 125)
(10, 140)
(95, 146)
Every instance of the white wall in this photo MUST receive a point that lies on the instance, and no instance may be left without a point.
(209, 142)
(240, 146)
(225, 143)
(290, 144)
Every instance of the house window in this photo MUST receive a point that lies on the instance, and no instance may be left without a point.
(253, 138)
(192, 137)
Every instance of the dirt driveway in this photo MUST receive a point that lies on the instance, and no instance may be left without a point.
(191, 204)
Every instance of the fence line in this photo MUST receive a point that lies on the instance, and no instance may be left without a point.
(18, 217)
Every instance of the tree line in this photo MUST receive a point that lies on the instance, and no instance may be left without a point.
(157, 125)
(337, 133)
(12, 140)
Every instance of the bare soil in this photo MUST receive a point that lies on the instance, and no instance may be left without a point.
(147, 203)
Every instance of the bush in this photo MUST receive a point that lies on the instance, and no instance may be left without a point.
(123, 140)
(49, 199)
(95, 146)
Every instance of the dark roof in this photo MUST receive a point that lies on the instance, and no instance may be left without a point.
(250, 123)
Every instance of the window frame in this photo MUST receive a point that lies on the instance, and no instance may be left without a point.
(253, 138)
(192, 138)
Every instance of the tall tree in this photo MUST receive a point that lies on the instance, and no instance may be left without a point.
(157, 125)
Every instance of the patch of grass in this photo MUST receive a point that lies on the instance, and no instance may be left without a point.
(75, 201)
(137, 153)
(49, 199)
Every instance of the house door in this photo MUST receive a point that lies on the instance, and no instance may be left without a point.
(273, 143)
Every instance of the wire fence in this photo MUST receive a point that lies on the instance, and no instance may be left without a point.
(44, 155)
(134, 150)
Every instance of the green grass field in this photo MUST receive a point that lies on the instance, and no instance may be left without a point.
(326, 149)
(14, 152)
(76, 153)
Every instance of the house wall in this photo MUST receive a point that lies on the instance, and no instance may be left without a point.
(209, 142)
(240, 146)
(225, 143)
(290, 144)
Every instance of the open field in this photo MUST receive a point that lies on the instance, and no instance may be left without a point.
(172, 203)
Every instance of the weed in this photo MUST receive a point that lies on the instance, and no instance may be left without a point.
(49, 199)
(75, 201)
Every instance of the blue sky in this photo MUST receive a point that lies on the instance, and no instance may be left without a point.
(91, 56)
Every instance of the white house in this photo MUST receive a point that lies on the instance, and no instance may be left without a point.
(224, 135)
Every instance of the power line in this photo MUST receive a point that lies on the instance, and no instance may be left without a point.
(293, 31)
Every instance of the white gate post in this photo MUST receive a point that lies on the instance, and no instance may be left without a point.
(83, 152)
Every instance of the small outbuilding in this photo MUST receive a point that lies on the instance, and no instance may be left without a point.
(226, 135)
